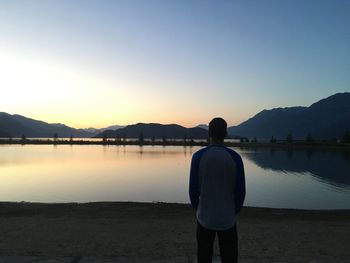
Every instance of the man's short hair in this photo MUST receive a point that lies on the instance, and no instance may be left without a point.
(218, 128)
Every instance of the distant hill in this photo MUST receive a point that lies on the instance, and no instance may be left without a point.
(95, 131)
(17, 125)
(113, 127)
(4, 134)
(156, 130)
(325, 119)
(203, 126)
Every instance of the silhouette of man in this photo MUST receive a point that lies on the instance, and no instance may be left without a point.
(217, 192)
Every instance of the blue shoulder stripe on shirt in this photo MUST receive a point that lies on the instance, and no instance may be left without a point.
(194, 190)
(240, 188)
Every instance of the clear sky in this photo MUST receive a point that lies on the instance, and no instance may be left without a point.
(97, 63)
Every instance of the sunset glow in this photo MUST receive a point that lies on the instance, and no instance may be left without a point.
(88, 64)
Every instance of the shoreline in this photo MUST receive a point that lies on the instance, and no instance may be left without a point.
(167, 230)
(298, 145)
(23, 205)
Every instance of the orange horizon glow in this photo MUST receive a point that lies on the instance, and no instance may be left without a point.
(54, 92)
(92, 123)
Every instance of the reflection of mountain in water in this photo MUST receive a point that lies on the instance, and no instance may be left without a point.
(330, 166)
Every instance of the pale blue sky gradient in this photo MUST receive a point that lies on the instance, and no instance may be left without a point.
(170, 61)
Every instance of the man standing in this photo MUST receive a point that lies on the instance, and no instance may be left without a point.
(217, 192)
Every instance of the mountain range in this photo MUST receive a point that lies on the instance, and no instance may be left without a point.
(325, 119)
(17, 126)
(95, 131)
(157, 131)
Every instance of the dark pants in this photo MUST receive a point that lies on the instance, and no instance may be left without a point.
(227, 243)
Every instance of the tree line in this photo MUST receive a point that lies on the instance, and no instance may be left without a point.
(141, 140)
(308, 139)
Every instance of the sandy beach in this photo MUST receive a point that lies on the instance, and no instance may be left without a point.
(160, 232)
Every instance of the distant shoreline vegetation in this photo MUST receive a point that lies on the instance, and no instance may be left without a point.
(289, 142)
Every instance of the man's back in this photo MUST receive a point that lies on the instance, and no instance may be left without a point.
(218, 176)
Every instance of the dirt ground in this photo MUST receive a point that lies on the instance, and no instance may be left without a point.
(161, 231)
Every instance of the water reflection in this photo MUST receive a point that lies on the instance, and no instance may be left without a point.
(93, 173)
(332, 167)
(66, 173)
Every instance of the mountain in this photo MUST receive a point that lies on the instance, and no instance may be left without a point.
(92, 130)
(203, 126)
(95, 131)
(17, 125)
(113, 127)
(4, 134)
(325, 119)
(156, 130)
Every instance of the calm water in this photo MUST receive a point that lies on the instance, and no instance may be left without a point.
(63, 173)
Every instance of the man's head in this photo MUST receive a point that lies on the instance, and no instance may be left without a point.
(217, 129)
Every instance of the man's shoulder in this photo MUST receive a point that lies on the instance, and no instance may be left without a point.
(234, 154)
(198, 154)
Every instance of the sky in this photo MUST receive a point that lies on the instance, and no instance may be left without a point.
(99, 63)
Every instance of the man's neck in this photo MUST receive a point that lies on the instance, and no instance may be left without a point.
(216, 142)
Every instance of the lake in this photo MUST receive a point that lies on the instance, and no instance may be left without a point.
(312, 179)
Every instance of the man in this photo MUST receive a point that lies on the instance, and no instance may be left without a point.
(217, 192)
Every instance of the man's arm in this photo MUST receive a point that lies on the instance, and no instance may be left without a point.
(194, 181)
(240, 185)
